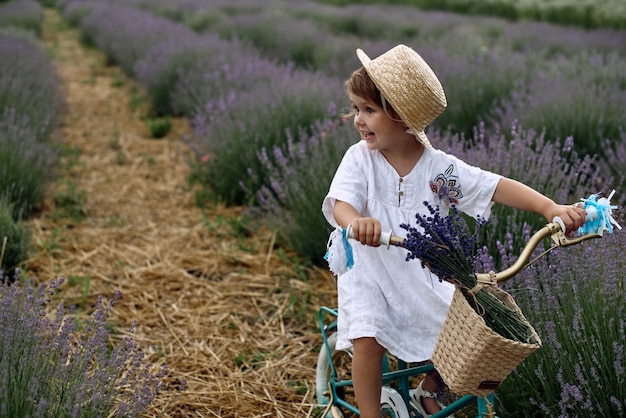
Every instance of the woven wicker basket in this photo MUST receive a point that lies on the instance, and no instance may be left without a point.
(469, 356)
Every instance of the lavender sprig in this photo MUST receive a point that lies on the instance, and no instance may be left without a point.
(444, 246)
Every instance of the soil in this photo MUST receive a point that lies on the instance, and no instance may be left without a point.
(229, 311)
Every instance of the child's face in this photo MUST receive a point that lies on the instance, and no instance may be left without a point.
(377, 129)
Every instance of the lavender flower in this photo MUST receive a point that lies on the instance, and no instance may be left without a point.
(445, 248)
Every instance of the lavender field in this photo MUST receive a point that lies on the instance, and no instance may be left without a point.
(260, 86)
(583, 13)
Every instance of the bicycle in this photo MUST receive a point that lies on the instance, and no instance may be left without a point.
(333, 391)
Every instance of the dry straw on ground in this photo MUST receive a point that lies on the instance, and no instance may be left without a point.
(229, 314)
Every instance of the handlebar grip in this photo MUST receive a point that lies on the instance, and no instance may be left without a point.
(557, 220)
(592, 215)
(385, 237)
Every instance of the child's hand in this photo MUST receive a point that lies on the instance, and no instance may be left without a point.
(366, 230)
(573, 216)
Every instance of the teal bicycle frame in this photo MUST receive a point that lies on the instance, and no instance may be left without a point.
(400, 376)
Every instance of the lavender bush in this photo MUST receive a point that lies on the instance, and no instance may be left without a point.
(306, 46)
(23, 14)
(126, 34)
(612, 164)
(554, 99)
(161, 68)
(298, 178)
(28, 82)
(61, 366)
(575, 300)
(26, 164)
(471, 91)
(230, 131)
(272, 27)
(226, 67)
(74, 11)
(29, 107)
(552, 167)
(153, 49)
(586, 13)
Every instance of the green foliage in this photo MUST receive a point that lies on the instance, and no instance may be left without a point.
(14, 238)
(159, 127)
(201, 21)
(138, 99)
(69, 203)
(82, 281)
(222, 226)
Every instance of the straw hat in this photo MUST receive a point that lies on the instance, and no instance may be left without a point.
(407, 82)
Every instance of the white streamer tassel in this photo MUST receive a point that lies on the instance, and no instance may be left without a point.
(339, 252)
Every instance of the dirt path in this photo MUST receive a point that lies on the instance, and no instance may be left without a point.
(230, 314)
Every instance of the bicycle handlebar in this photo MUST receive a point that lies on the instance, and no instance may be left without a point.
(599, 219)
(555, 230)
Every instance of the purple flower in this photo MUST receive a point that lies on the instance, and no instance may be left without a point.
(85, 376)
(443, 245)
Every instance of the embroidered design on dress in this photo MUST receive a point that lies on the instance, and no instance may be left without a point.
(447, 187)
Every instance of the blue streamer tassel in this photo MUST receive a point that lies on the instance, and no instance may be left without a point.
(599, 217)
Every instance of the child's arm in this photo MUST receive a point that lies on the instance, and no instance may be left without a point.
(366, 230)
(515, 194)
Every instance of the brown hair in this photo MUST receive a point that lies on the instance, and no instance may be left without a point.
(361, 84)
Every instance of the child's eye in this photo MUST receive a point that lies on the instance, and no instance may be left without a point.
(369, 110)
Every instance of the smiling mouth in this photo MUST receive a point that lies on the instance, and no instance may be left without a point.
(367, 135)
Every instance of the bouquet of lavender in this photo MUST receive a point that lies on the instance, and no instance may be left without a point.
(446, 248)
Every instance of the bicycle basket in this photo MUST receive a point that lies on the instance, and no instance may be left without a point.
(470, 357)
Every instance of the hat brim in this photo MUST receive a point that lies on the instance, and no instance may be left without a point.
(365, 60)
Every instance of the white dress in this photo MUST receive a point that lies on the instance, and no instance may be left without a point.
(384, 296)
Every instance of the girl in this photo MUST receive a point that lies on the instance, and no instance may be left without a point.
(386, 303)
